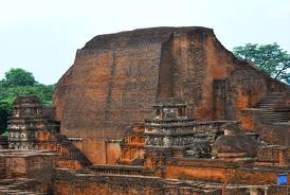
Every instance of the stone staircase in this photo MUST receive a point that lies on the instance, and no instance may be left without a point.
(267, 117)
(273, 108)
(275, 100)
(75, 153)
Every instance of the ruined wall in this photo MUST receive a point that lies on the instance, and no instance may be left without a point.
(93, 149)
(25, 172)
(24, 186)
(69, 164)
(34, 166)
(40, 167)
(274, 134)
(247, 88)
(100, 98)
(15, 167)
(116, 78)
(100, 151)
(71, 184)
(273, 155)
(221, 171)
(2, 168)
(132, 146)
(113, 151)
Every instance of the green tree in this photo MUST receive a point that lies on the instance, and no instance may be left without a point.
(270, 58)
(18, 77)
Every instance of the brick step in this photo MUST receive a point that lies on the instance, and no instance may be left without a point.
(274, 100)
(275, 114)
(275, 118)
(271, 99)
(78, 155)
(272, 117)
(270, 105)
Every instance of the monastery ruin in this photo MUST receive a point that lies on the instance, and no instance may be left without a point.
(152, 111)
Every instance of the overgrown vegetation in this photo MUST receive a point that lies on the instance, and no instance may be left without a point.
(270, 58)
(20, 82)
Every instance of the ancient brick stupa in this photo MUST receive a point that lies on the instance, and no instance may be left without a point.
(169, 132)
(116, 78)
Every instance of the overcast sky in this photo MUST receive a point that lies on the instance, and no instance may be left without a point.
(42, 36)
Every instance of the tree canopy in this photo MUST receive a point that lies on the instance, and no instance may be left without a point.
(270, 58)
(20, 82)
(18, 77)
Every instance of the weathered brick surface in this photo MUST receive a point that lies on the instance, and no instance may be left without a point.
(2, 168)
(113, 82)
(31, 166)
(23, 186)
(70, 183)
(116, 78)
(221, 171)
(273, 155)
(25, 172)
(15, 167)
(123, 185)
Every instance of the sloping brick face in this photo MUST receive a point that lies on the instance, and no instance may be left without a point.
(116, 78)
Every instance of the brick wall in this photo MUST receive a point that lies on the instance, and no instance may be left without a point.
(116, 78)
(69, 183)
(2, 168)
(221, 171)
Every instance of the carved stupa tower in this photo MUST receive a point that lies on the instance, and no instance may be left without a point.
(169, 133)
(28, 118)
(23, 122)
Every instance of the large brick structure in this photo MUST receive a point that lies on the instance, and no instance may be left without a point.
(116, 78)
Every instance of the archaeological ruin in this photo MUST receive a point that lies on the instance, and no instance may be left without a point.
(152, 111)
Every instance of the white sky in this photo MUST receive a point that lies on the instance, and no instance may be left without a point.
(42, 36)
